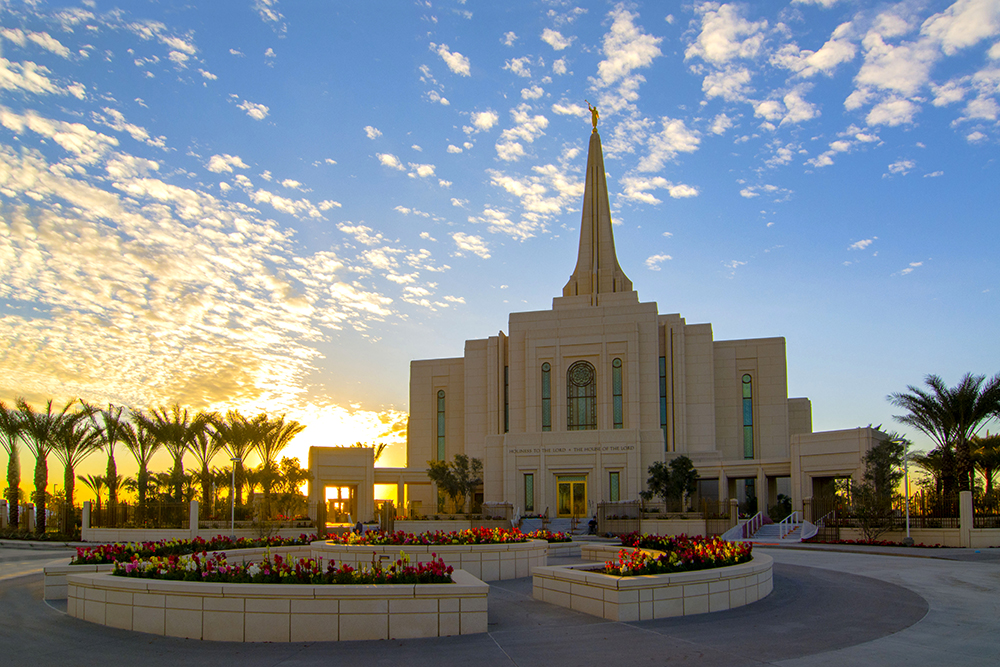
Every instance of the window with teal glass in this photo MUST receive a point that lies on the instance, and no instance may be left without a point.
(615, 492)
(546, 396)
(529, 492)
(747, 417)
(440, 426)
(581, 397)
(663, 400)
(616, 393)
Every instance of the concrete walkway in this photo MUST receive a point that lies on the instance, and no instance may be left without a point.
(829, 607)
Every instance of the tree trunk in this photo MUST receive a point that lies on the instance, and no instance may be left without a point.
(112, 479)
(68, 511)
(963, 465)
(41, 481)
(206, 492)
(13, 482)
(178, 475)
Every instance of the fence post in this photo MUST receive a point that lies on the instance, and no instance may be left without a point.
(85, 525)
(193, 519)
(965, 519)
(734, 512)
(807, 509)
(29, 517)
(3, 513)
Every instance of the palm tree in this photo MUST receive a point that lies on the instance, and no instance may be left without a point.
(95, 483)
(74, 441)
(112, 431)
(279, 434)
(177, 430)
(951, 416)
(11, 428)
(41, 427)
(142, 445)
(204, 449)
(986, 458)
(239, 436)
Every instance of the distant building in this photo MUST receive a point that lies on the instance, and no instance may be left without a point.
(573, 404)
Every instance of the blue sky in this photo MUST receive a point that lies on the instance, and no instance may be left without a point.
(277, 205)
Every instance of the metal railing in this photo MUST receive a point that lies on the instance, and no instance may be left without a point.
(789, 524)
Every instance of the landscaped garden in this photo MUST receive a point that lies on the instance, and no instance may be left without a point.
(468, 536)
(277, 570)
(677, 554)
(127, 551)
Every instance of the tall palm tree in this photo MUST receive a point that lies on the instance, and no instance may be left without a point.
(11, 428)
(278, 436)
(204, 450)
(239, 437)
(112, 426)
(41, 427)
(951, 416)
(73, 441)
(142, 445)
(177, 430)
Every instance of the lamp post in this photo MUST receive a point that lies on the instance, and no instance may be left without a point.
(907, 541)
(232, 500)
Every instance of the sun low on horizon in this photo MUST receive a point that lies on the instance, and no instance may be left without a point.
(276, 207)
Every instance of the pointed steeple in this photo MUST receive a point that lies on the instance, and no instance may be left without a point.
(597, 270)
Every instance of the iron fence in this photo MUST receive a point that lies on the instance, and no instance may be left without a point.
(132, 515)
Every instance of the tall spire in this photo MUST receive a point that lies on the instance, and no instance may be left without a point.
(597, 270)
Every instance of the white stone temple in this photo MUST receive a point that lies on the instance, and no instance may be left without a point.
(572, 405)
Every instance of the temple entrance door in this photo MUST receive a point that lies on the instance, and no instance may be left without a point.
(571, 496)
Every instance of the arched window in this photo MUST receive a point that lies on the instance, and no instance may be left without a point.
(546, 396)
(581, 397)
(747, 417)
(616, 393)
(440, 426)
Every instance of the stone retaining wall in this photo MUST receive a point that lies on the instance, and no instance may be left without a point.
(653, 596)
(280, 613)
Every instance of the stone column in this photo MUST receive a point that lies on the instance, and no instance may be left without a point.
(965, 519)
(763, 493)
(29, 517)
(3, 514)
(193, 519)
(734, 512)
(86, 517)
(723, 485)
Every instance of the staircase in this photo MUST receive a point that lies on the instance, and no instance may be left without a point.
(790, 529)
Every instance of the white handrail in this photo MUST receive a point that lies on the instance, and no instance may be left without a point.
(788, 524)
(753, 525)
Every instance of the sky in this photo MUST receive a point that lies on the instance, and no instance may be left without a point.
(276, 206)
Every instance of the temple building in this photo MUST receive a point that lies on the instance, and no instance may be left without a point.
(572, 405)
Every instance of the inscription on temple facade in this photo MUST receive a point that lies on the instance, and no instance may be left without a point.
(583, 449)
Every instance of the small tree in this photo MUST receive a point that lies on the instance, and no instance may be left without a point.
(872, 498)
(458, 479)
(675, 481)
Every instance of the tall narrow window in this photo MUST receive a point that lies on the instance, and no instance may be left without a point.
(747, 417)
(506, 398)
(529, 492)
(581, 397)
(663, 401)
(616, 393)
(440, 426)
(546, 396)
(615, 495)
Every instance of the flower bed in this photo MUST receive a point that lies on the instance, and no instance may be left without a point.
(548, 536)
(125, 551)
(280, 612)
(489, 554)
(643, 597)
(656, 554)
(278, 570)
(401, 538)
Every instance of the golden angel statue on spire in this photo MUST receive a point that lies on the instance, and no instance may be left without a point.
(594, 116)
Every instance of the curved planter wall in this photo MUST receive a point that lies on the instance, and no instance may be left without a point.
(280, 613)
(653, 596)
(489, 562)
